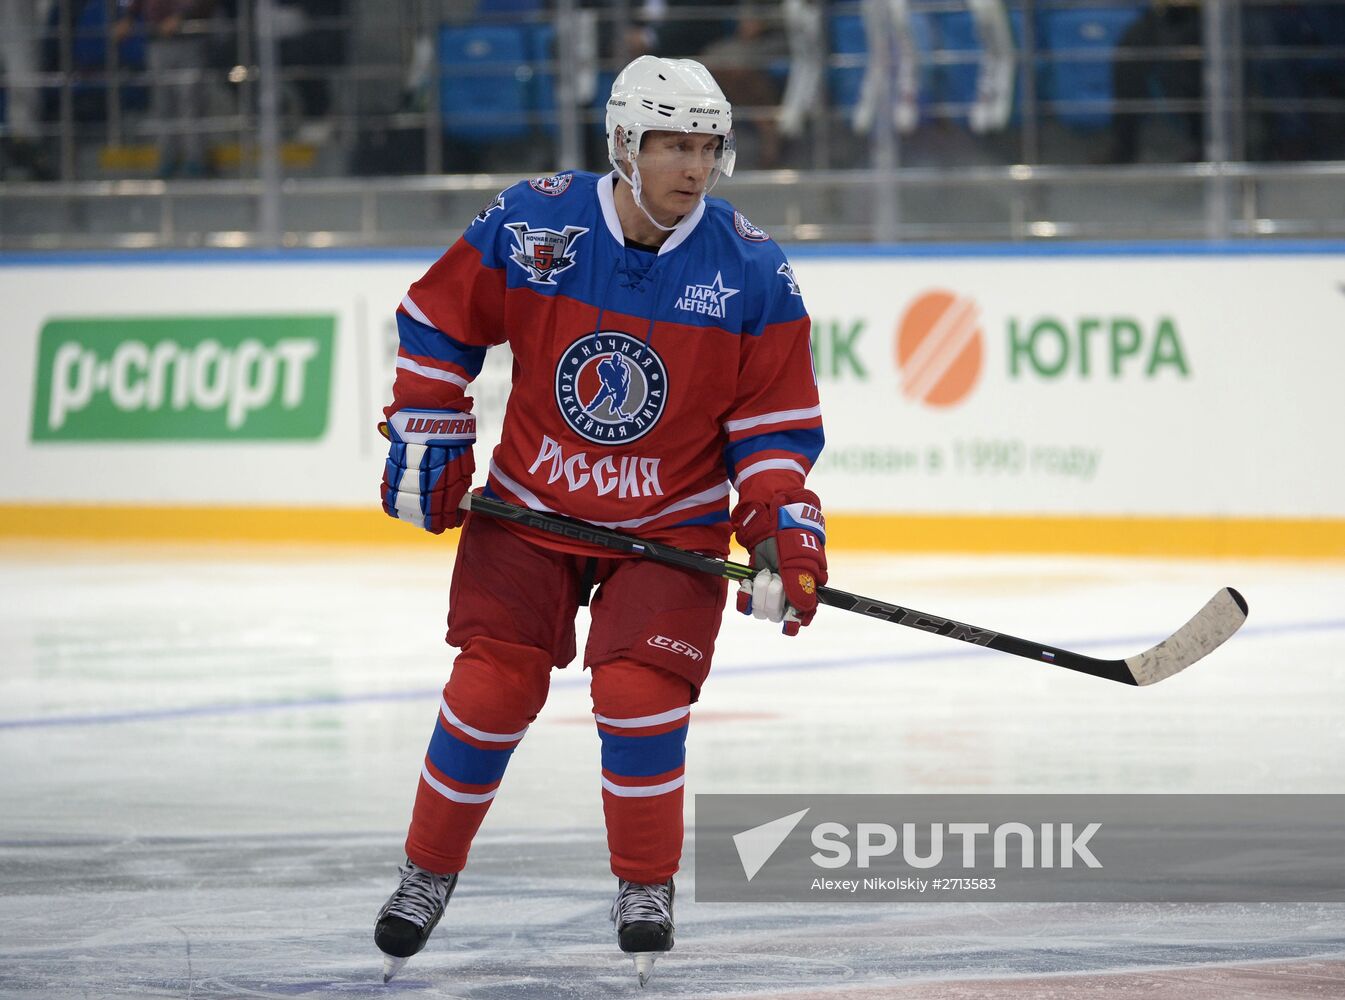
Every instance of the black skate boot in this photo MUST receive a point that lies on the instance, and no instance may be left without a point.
(407, 918)
(643, 915)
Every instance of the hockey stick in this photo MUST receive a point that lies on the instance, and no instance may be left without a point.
(1211, 627)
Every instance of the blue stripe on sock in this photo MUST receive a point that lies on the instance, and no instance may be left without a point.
(643, 756)
(464, 762)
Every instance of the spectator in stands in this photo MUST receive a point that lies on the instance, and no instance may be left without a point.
(623, 28)
(19, 57)
(1298, 72)
(315, 46)
(311, 41)
(1167, 24)
(176, 60)
(736, 48)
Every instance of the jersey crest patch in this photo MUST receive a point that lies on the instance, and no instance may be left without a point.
(749, 232)
(495, 205)
(543, 253)
(553, 186)
(787, 271)
(611, 388)
(710, 299)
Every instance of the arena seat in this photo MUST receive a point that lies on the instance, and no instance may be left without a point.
(1087, 38)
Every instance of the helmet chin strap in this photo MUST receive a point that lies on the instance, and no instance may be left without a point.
(637, 189)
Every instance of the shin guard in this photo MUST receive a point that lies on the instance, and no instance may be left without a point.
(642, 714)
(495, 692)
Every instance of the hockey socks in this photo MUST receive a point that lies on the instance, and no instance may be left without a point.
(495, 692)
(642, 715)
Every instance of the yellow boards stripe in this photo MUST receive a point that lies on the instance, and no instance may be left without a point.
(1305, 538)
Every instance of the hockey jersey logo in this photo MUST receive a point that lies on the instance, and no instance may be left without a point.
(553, 186)
(611, 388)
(787, 271)
(626, 476)
(496, 205)
(709, 299)
(749, 232)
(543, 253)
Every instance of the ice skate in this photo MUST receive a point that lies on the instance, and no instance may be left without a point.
(643, 915)
(410, 914)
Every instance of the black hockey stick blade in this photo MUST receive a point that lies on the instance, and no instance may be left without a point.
(1210, 628)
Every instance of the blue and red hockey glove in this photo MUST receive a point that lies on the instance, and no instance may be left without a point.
(787, 538)
(429, 466)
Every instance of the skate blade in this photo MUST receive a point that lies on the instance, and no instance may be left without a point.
(392, 966)
(644, 966)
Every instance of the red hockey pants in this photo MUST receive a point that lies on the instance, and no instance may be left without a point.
(512, 611)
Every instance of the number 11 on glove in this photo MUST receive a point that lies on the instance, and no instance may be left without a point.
(787, 538)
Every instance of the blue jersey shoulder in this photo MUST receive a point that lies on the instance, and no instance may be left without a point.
(761, 256)
(535, 202)
(550, 192)
(734, 230)
(538, 193)
(728, 218)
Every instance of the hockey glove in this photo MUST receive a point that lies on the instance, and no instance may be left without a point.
(429, 466)
(787, 538)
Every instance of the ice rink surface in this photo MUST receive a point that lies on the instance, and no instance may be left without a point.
(209, 757)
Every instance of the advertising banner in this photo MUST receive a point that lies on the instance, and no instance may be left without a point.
(211, 383)
(183, 378)
(1182, 386)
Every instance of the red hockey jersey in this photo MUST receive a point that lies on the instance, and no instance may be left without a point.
(644, 384)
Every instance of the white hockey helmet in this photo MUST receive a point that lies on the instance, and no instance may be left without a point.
(667, 95)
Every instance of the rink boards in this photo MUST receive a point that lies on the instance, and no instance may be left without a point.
(1135, 400)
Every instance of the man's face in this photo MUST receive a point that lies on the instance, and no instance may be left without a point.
(675, 168)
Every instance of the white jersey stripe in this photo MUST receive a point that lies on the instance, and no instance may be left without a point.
(778, 417)
(479, 734)
(452, 794)
(770, 463)
(642, 791)
(531, 501)
(704, 497)
(522, 492)
(406, 364)
(415, 312)
(608, 204)
(683, 229)
(646, 720)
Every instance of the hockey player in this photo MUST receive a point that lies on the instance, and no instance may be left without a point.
(661, 354)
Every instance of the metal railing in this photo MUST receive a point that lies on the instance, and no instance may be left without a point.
(944, 168)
